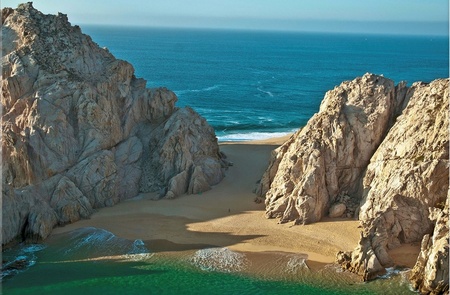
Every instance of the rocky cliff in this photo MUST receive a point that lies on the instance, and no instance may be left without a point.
(407, 178)
(322, 165)
(81, 132)
(378, 152)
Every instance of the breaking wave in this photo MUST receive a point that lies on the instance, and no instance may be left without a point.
(265, 92)
(19, 259)
(393, 272)
(91, 242)
(206, 89)
(250, 136)
(219, 259)
(295, 264)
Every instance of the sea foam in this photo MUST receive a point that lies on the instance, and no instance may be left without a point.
(19, 259)
(219, 259)
(94, 242)
(295, 264)
(251, 136)
(206, 89)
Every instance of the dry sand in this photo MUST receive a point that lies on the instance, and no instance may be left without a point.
(227, 216)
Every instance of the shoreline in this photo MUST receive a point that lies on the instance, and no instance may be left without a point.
(227, 216)
(276, 140)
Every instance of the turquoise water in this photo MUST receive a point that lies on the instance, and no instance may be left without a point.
(94, 261)
(250, 85)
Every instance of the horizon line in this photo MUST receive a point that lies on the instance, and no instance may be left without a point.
(276, 30)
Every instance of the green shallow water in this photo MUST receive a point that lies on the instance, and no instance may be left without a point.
(160, 278)
(59, 271)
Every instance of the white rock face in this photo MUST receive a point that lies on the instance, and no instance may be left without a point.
(80, 131)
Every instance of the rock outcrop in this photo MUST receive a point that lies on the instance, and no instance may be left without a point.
(324, 162)
(406, 178)
(430, 274)
(379, 152)
(81, 132)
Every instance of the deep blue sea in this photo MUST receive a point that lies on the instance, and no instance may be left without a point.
(252, 85)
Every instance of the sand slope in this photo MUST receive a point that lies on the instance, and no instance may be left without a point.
(227, 216)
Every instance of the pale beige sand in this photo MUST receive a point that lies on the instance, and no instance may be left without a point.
(224, 216)
(405, 255)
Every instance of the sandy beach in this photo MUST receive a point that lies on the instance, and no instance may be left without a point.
(228, 216)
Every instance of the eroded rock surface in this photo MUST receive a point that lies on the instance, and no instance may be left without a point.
(430, 274)
(407, 177)
(378, 152)
(81, 132)
(325, 160)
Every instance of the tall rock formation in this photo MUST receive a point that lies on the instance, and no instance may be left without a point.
(323, 163)
(80, 131)
(406, 178)
(380, 150)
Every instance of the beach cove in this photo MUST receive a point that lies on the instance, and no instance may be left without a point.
(227, 219)
(226, 216)
(111, 185)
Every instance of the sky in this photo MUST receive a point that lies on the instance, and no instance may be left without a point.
(424, 17)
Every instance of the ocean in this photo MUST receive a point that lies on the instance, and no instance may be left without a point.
(248, 85)
(256, 85)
